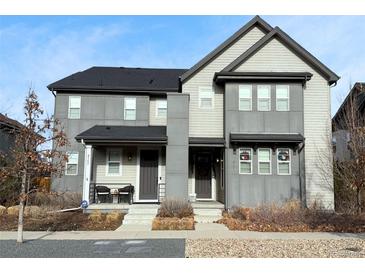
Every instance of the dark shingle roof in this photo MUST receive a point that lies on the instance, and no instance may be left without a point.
(266, 137)
(5, 120)
(121, 79)
(124, 134)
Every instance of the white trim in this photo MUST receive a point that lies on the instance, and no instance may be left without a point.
(258, 161)
(135, 108)
(207, 89)
(69, 107)
(137, 199)
(278, 161)
(77, 164)
(87, 173)
(239, 97)
(276, 97)
(258, 98)
(245, 161)
(120, 162)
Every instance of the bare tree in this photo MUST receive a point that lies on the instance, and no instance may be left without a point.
(37, 151)
(351, 171)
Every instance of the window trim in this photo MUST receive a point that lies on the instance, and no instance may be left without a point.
(280, 161)
(276, 97)
(157, 108)
(239, 97)
(125, 108)
(69, 107)
(258, 161)
(205, 88)
(258, 98)
(245, 161)
(107, 162)
(77, 164)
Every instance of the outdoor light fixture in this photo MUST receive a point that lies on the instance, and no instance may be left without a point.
(130, 157)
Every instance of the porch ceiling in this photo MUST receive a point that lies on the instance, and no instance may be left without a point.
(124, 134)
(287, 138)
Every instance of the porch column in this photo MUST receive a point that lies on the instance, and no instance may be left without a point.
(87, 173)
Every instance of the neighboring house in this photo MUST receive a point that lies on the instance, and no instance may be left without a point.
(341, 135)
(8, 129)
(245, 125)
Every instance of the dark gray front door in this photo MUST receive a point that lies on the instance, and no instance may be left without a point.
(203, 176)
(148, 179)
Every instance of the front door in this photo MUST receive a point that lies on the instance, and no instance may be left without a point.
(203, 176)
(148, 179)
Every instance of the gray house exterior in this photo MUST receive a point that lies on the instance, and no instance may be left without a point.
(242, 126)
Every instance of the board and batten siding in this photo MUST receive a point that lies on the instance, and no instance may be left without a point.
(276, 57)
(209, 123)
(153, 119)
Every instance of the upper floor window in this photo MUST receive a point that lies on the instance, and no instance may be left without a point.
(129, 108)
(161, 109)
(114, 162)
(245, 97)
(245, 160)
(72, 163)
(263, 98)
(284, 161)
(282, 98)
(74, 107)
(206, 97)
(264, 159)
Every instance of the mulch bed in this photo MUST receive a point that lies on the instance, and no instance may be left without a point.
(173, 223)
(67, 221)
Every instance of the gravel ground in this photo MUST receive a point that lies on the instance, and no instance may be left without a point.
(208, 248)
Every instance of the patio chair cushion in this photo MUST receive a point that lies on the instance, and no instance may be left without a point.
(128, 189)
(102, 190)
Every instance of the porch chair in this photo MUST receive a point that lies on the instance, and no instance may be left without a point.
(103, 194)
(127, 190)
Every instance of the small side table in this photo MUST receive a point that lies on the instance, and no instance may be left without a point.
(114, 192)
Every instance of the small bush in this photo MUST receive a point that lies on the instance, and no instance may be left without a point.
(173, 223)
(113, 217)
(96, 216)
(175, 208)
(13, 210)
(54, 200)
(2, 210)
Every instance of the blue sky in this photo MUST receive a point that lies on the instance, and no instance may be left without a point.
(38, 50)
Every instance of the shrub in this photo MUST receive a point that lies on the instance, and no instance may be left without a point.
(9, 192)
(96, 216)
(2, 210)
(113, 217)
(55, 200)
(175, 208)
(173, 223)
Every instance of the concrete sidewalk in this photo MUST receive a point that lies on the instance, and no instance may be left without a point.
(202, 231)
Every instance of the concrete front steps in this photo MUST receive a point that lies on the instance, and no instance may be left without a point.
(140, 214)
(207, 211)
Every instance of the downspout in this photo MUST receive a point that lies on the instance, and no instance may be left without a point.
(301, 186)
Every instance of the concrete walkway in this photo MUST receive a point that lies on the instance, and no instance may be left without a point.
(202, 231)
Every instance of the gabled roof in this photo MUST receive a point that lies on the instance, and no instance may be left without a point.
(117, 79)
(257, 21)
(307, 57)
(6, 121)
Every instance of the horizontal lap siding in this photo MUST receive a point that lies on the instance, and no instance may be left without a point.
(154, 120)
(209, 123)
(276, 57)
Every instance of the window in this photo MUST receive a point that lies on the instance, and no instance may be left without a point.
(282, 98)
(245, 155)
(114, 162)
(72, 163)
(263, 98)
(284, 164)
(264, 159)
(129, 108)
(206, 96)
(245, 97)
(74, 107)
(161, 110)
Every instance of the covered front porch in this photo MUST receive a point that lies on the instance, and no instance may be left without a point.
(123, 165)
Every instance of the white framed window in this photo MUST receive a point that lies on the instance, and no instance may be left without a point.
(72, 163)
(263, 98)
(282, 98)
(245, 97)
(206, 97)
(264, 161)
(161, 108)
(245, 160)
(129, 108)
(284, 161)
(114, 162)
(74, 107)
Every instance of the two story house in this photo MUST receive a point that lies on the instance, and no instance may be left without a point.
(245, 125)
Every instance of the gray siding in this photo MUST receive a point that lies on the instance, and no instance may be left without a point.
(177, 150)
(98, 109)
(153, 118)
(342, 151)
(252, 190)
(7, 140)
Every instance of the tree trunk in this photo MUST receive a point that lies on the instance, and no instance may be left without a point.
(21, 209)
(358, 200)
